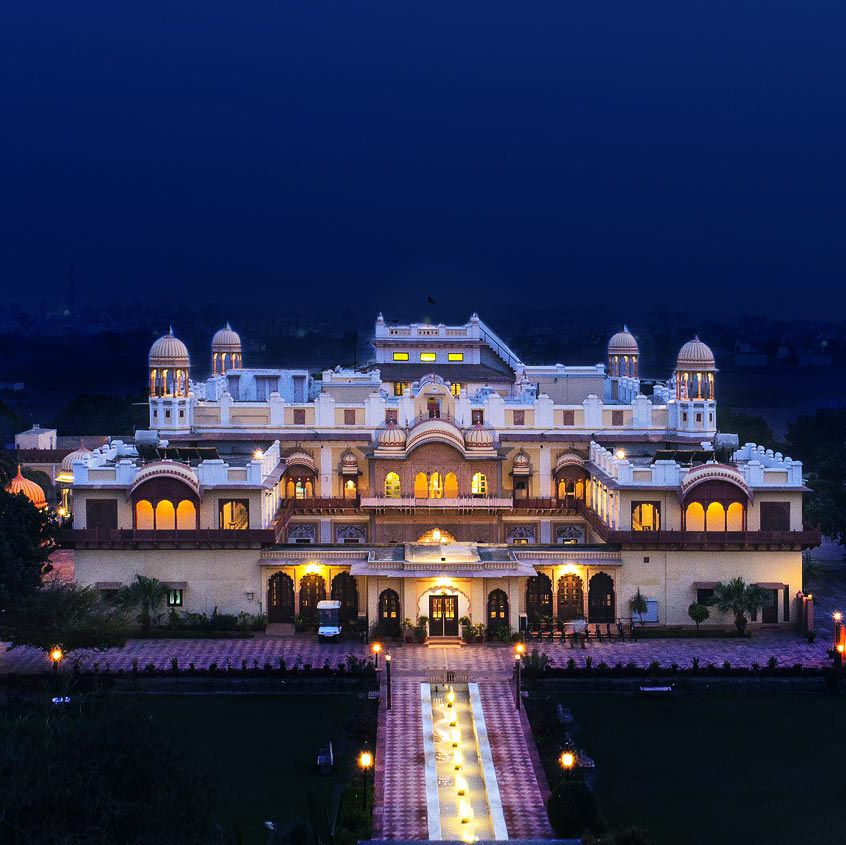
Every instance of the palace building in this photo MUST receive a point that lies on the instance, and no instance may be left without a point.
(446, 479)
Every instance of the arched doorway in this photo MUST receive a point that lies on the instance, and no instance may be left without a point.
(538, 598)
(389, 612)
(280, 598)
(345, 591)
(497, 610)
(571, 598)
(601, 606)
(312, 590)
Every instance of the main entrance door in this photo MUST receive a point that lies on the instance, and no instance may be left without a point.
(769, 610)
(443, 616)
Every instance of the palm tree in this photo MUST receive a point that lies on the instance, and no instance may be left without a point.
(638, 605)
(146, 594)
(739, 598)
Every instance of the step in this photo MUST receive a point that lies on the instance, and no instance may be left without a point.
(445, 641)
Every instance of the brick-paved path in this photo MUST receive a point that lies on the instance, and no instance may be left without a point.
(484, 662)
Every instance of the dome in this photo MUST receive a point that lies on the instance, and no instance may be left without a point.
(391, 437)
(349, 463)
(478, 437)
(30, 489)
(521, 465)
(623, 343)
(169, 351)
(226, 340)
(78, 455)
(695, 355)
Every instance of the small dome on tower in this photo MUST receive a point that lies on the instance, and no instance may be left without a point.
(226, 340)
(78, 455)
(391, 437)
(349, 460)
(478, 437)
(169, 351)
(521, 465)
(30, 489)
(623, 343)
(695, 355)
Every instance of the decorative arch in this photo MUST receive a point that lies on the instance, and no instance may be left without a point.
(571, 482)
(280, 598)
(715, 517)
(389, 612)
(571, 597)
(144, 519)
(435, 536)
(186, 516)
(694, 517)
(538, 597)
(497, 610)
(350, 489)
(436, 486)
(421, 486)
(393, 488)
(165, 516)
(450, 486)
(601, 599)
(345, 590)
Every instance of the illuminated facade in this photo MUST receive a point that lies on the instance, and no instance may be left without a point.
(448, 479)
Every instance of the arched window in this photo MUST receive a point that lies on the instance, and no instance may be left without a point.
(479, 484)
(601, 605)
(580, 489)
(144, 516)
(497, 609)
(734, 517)
(538, 597)
(392, 486)
(715, 517)
(280, 598)
(389, 612)
(436, 490)
(521, 490)
(694, 518)
(186, 516)
(350, 491)
(570, 598)
(562, 489)
(312, 591)
(345, 591)
(165, 516)
(421, 486)
(450, 486)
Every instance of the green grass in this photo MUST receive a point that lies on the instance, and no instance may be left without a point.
(260, 751)
(706, 769)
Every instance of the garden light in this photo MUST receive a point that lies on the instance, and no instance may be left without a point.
(837, 615)
(460, 785)
(56, 654)
(465, 811)
(457, 760)
(455, 737)
(567, 760)
(520, 648)
(365, 759)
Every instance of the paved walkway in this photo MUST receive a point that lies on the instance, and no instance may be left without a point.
(485, 662)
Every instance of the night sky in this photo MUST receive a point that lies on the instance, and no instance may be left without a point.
(298, 153)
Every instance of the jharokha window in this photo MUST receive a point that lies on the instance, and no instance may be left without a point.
(646, 516)
(455, 388)
(234, 514)
(479, 484)
(399, 387)
(393, 489)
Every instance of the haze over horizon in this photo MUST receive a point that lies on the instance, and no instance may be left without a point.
(370, 156)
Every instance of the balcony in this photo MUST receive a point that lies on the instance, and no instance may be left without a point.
(567, 506)
(466, 503)
(94, 538)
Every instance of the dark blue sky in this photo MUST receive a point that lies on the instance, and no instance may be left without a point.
(686, 154)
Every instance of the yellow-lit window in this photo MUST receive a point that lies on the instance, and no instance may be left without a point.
(455, 356)
(399, 387)
(436, 490)
(392, 485)
(479, 484)
(235, 514)
(421, 486)
(400, 356)
(450, 486)
(646, 517)
(428, 357)
(455, 388)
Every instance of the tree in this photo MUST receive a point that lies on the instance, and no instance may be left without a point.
(748, 428)
(638, 605)
(698, 613)
(101, 414)
(812, 438)
(98, 769)
(573, 809)
(26, 540)
(739, 598)
(64, 615)
(147, 594)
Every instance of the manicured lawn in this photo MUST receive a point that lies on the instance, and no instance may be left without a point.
(706, 769)
(261, 751)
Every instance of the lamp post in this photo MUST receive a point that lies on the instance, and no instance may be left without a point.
(388, 681)
(517, 681)
(365, 761)
(839, 644)
(376, 648)
(56, 655)
(521, 648)
(567, 761)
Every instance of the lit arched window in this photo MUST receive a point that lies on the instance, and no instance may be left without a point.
(350, 491)
(165, 516)
(715, 517)
(734, 517)
(436, 490)
(186, 516)
(144, 516)
(580, 489)
(421, 486)
(479, 485)
(694, 517)
(392, 486)
(450, 486)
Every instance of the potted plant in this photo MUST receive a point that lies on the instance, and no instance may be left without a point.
(420, 629)
(408, 630)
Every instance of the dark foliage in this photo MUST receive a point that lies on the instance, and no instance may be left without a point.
(99, 414)
(573, 809)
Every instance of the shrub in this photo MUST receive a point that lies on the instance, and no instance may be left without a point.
(573, 810)
(698, 613)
